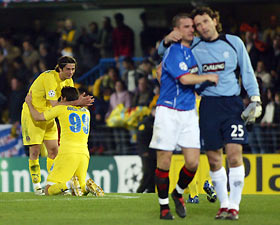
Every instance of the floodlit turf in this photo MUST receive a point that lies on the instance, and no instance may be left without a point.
(122, 209)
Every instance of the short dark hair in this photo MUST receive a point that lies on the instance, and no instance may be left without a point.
(119, 17)
(129, 60)
(122, 82)
(70, 93)
(207, 10)
(176, 19)
(63, 61)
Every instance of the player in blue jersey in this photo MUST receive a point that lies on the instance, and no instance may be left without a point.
(221, 106)
(176, 120)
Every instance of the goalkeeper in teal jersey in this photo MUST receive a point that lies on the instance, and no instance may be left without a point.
(222, 116)
(221, 106)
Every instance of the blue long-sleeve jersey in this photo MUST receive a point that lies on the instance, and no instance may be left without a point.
(223, 56)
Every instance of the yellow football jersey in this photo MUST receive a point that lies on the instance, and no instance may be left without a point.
(46, 87)
(74, 124)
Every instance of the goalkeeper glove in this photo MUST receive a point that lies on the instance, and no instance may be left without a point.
(253, 110)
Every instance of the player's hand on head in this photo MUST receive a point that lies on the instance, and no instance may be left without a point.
(85, 100)
(173, 36)
(28, 98)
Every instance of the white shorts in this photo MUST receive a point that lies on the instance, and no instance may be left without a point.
(173, 127)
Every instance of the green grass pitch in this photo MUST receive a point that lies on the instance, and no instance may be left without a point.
(123, 209)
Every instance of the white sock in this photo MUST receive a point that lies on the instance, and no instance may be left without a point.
(179, 190)
(236, 184)
(68, 185)
(219, 180)
(87, 187)
(163, 201)
(36, 185)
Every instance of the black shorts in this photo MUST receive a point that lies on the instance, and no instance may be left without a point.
(220, 122)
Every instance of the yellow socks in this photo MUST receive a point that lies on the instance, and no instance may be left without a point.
(34, 169)
(193, 187)
(49, 164)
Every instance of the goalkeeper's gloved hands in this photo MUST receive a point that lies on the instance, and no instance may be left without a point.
(253, 110)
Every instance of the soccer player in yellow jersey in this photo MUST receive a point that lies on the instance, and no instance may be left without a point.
(73, 156)
(46, 91)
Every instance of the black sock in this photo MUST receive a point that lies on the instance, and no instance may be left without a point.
(176, 194)
(185, 177)
(162, 183)
(162, 207)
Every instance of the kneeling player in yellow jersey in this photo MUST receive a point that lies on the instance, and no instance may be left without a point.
(73, 156)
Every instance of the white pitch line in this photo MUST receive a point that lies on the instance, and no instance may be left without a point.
(106, 197)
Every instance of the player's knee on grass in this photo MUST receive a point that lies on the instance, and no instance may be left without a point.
(56, 189)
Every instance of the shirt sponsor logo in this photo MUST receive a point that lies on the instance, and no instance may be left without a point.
(213, 67)
(183, 66)
(51, 93)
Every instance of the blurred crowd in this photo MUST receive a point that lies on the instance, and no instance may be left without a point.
(263, 46)
(24, 55)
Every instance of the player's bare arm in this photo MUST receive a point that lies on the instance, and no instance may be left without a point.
(191, 79)
(158, 71)
(35, 114)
